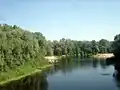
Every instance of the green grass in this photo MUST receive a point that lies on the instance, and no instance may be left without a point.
(22, 71)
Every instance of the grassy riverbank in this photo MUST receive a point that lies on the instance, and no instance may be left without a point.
(31, 68)
(22, 71)
(27, 69)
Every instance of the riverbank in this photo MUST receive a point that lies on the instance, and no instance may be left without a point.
(27, 69)
(19, 73)
(103, 56)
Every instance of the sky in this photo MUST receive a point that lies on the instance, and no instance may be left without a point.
(56, 19)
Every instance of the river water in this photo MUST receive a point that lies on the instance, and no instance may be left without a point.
(70, 74)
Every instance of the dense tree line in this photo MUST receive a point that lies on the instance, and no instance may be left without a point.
(18, 46)
(78, 48)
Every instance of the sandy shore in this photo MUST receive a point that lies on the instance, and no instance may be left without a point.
(54, 57)
(51, 57)
(104, 55)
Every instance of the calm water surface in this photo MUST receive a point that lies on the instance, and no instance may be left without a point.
(70, 74)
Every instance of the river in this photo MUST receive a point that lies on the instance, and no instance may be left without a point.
(70, 74)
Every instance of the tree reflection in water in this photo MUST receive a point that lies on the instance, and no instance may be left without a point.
(116, 62)
(36, 82)
(66, 65)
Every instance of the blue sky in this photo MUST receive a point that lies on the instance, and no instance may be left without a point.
(74, 19)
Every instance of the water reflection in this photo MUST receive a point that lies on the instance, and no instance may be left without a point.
(103, 64)
(117, 81)
(65, 66)
(116, 63)
(36, 82)
(95, 63)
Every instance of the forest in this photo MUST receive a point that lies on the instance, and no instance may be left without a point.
(18, 46)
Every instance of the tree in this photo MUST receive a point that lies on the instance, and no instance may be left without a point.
(18, 46)
(49, 48)
(116, 46)
(104, 45)
(95, 47)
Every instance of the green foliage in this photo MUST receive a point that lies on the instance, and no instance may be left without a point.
(78, 48)
(116, 46)
(104, 46)
(18, 46)
(49, 48)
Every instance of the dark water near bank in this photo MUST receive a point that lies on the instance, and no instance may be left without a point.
(70, 74)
